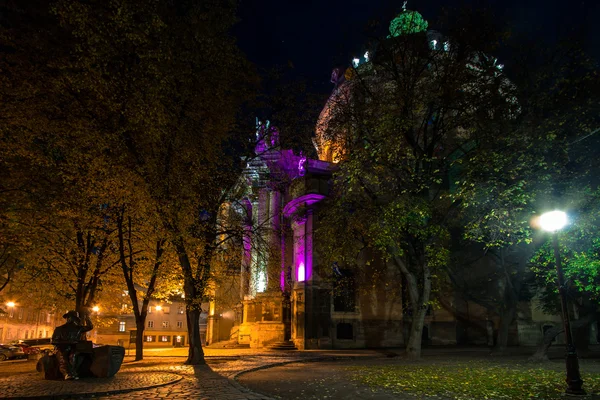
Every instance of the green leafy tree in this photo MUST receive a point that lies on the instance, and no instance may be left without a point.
(398, 122)
(519, 170)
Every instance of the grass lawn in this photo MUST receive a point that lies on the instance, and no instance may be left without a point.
(477, 379)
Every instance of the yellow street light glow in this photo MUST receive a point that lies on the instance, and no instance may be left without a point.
(95, 309)
(553, 221)
(10, 304)
(158, 308)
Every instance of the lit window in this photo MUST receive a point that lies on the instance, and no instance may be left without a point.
(166, 310)
(164, 338)
(122, 326)
(150, 338)
(165, 324)
(48, 317)
(180, 310)
(180, 324)
(20, 313)
(301, 272)
(150, 324)
(149, 309)
(262, 282)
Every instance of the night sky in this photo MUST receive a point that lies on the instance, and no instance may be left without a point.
(313, 37)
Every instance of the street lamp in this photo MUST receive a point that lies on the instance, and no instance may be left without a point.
(554, 221)
(95, 309)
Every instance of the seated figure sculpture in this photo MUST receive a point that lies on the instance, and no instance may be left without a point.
(68, 340)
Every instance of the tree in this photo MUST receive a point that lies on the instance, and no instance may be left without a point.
(142, 255)
(528, 165)
(140, 92)
(396, 125)
(178, 87)
(579, 256)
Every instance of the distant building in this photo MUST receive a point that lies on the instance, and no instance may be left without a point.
(20, 322)
(166, 326)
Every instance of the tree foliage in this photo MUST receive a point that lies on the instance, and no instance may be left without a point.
(130, 102)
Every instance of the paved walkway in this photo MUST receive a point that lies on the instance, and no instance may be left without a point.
(159, 377)
(165, 377)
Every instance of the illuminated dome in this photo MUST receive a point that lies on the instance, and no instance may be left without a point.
(407, 22)
(328, 141)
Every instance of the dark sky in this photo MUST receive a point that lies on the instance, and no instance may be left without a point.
(315, 36)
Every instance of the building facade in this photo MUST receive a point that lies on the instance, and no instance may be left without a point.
(288, 294)
(20, 322)
(166, 326)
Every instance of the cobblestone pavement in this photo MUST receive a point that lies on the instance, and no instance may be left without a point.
(212, 381)
(32, 385)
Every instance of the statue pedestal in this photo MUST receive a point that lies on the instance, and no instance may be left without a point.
(106, 361)
(101, 362)
(47, 366)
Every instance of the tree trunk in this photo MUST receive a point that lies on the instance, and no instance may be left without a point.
(195, 353)
(193, 306)
(139, 340)
(541, 354)
(420, 302)
(506, 319)
(413, 346)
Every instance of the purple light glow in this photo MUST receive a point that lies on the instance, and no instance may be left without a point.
(301, 165)
(307, 199)
(282, 279)
(301, 273)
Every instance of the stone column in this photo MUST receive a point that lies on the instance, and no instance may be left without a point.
(274, 240)
(259, 269)
(247, 251)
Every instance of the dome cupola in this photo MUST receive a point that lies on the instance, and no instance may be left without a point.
(407, 22)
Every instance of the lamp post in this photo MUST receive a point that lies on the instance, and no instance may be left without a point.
(552, 222)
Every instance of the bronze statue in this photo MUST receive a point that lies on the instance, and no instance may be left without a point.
(68, 340)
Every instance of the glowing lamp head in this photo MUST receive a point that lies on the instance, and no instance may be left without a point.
(355, 62)
(10, 304)
(158, 308)
(95, 309)
(553, 221)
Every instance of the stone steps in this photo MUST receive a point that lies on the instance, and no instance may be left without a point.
(283, 346)
(229, 344)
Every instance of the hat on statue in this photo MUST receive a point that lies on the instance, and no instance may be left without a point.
(71, 314)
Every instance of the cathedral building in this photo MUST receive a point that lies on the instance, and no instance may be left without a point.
(289, 297)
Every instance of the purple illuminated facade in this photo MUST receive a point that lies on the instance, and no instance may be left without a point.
(283, 191)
